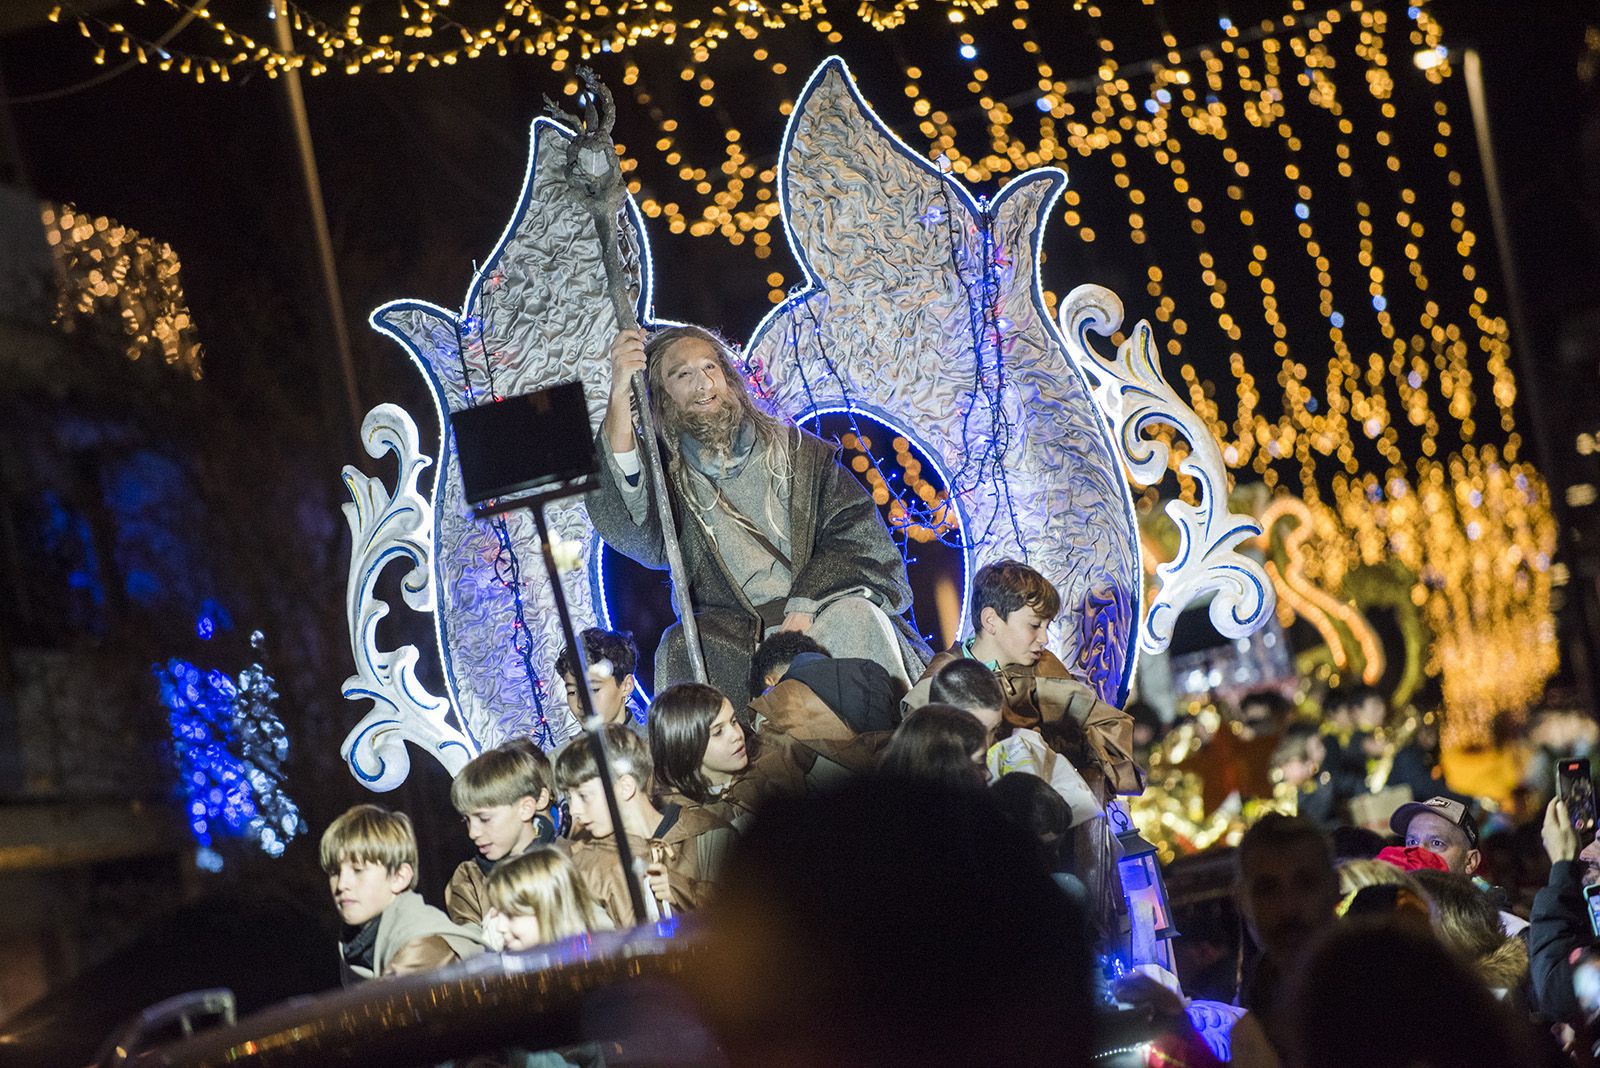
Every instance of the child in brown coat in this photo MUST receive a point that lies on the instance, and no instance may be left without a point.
(503, 795)
(682, 846)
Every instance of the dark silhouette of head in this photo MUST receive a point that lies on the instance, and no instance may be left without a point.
(1383, 994)
(941, 744)
(894, 922)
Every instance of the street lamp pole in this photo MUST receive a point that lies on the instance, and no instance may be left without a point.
(290, 76)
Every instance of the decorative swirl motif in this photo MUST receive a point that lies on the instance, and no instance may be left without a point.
(385, 529)
(1135, 397)
(924, 302)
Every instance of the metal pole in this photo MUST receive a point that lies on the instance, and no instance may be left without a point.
(1543, 434)
(632, 869)
(290, 76)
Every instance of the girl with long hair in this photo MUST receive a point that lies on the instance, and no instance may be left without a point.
(538, 897)
(697, 743)
(704, 756)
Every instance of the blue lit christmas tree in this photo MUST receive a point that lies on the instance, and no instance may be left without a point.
(229, 747)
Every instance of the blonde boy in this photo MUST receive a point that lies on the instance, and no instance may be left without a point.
(504, 798)
(370, 855)
(682, 846)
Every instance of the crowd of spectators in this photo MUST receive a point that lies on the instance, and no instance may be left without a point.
(919, 878)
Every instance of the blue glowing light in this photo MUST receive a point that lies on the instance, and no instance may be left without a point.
(1302, 210)
(1043, 104)
(1226, 23)
(229, 744)
(1337, 319)
(969, 51)
(1151, 106)
(1379, 303)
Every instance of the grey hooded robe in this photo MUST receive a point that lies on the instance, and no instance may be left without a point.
(839, 545)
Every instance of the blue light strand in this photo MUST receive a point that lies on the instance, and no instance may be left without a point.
(897, 532)
(507, 566)
(468, 325)
(984, 323)
(508, 569)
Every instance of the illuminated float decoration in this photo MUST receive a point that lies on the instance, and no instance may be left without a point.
(922, 310)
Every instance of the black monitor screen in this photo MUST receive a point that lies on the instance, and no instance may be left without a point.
(524, 443)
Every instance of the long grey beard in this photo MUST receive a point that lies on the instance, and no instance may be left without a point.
(713, 430)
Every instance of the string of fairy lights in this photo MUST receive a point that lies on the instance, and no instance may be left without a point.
(109, 273)
(1291, 186)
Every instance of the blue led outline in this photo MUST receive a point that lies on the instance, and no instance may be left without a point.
(378, 320)
(355, 767)
(977, 206)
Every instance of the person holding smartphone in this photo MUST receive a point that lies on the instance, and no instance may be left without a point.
(1560, 920)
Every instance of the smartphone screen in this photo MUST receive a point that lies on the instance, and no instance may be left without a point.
(1577, 790)
(1586, 981)
(1591, 900)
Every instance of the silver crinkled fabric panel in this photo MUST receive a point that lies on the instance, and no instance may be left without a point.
(904, 279)
(538, 314)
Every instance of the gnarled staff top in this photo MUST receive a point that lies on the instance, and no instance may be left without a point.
(591, 156)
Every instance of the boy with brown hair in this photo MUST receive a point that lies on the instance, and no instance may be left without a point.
(1012, 604)
(611, 656)
(504, 797)
(370, 855)
(682, 846)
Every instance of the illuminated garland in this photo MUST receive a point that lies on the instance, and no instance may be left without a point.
(108, 273)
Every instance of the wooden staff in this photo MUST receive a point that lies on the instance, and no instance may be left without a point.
(593, 171)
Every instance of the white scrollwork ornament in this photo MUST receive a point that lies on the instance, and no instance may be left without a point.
(386, 529)
(1136, 397)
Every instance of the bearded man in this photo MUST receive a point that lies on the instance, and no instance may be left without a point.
(775, 534)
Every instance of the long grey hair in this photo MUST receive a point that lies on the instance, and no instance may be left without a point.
(772, 433)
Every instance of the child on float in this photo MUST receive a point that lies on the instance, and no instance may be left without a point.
(834, 714)
(970, 686)
(370, 857)
(538, 897)
(504, 798)
(703, 757)
(611, 657)
(938, 744)
(683, 846)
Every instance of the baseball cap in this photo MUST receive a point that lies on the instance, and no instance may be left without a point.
(1453, 811)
